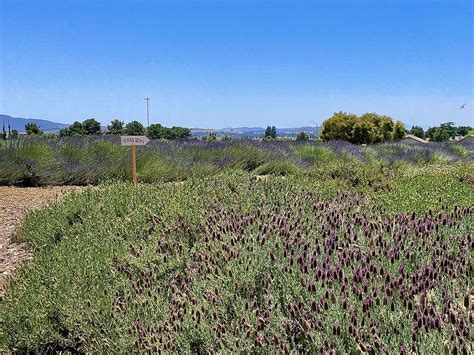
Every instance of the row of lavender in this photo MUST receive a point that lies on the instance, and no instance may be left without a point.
(40, 161)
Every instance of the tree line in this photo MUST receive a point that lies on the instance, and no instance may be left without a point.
(441, 133)
(91, 127)
(365, 129)
(116, 127)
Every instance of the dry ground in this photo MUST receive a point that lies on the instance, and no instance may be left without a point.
(15, 203)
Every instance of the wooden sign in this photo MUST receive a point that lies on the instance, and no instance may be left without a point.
(133, 141)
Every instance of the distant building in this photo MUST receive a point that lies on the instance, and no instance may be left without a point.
(414, 139)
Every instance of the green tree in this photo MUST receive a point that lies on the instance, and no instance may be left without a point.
(440, 135)
(32, 128)
(4, 132)
(116, 127)
(430, 132)
(338, 127)
(75, 130)
(179, 133)
(417, 131)
(91, 127)
(302, 136)
(270, 132)
(463, 130)
(398, 130)
(134, 128)
(449, 127)
(364, 132)
(157, 131)
(383, 126)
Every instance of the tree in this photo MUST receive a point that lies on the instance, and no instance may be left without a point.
(364, 132)
(134, 128)
(91, 127)
(179, 133)
(417, 131)
(302, 136)
(338, 127)
(75, 130)
(32, 128)
(463, 130)
(4, 132)
(156, 131)
(449, 127)
(430, 132)
(116, 127)
(383, 126)
(440, 135)
(270, 132)
(398, 130)
(368, 128)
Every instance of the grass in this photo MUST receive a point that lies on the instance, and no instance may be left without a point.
(343, 257)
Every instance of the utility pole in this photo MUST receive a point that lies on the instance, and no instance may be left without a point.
(147, 99)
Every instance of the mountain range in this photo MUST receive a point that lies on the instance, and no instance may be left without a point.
(19, 123)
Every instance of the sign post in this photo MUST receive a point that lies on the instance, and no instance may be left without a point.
(132, 142)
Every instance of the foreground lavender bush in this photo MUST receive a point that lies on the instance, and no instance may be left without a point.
(239, 264)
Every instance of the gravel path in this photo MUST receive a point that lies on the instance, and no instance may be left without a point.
(15, 203)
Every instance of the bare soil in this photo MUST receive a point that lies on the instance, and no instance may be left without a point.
(15, 203)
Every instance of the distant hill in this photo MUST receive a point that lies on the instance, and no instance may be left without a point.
(18, 123)
(244, 129)
(251, 132)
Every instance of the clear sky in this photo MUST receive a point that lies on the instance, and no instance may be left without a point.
(237, 63)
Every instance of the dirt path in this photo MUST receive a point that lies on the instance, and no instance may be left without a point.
(15, 203)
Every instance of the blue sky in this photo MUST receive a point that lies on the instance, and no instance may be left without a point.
(237, 63)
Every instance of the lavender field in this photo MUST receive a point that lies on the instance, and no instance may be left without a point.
(263, 248)
(84, 161)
